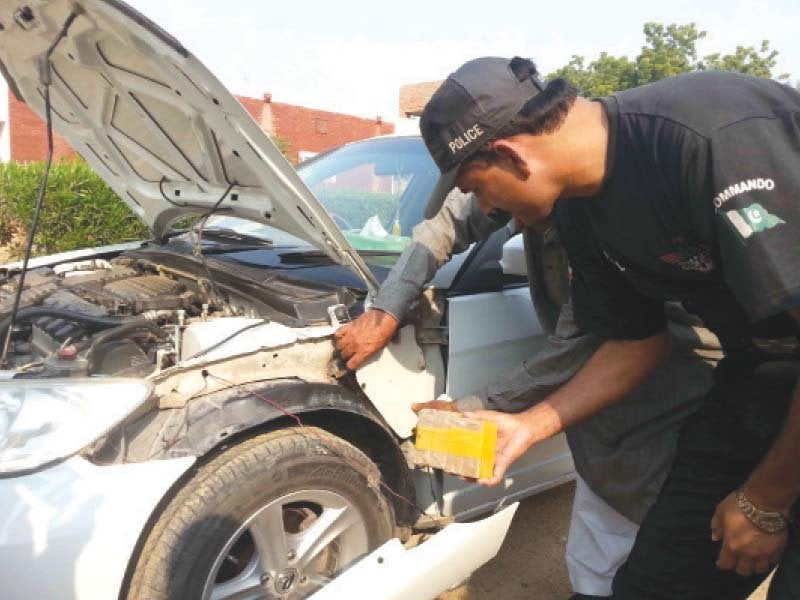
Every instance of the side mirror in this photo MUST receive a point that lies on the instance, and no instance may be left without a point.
(513, 261)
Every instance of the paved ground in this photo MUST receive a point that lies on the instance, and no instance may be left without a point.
(530, 565)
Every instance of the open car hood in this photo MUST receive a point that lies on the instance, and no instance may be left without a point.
(155, 123)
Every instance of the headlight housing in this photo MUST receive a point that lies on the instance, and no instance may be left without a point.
(43, 421)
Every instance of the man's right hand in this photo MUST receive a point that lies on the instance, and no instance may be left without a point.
(515, 434)
(362, 338)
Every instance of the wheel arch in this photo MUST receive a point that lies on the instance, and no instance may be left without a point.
(241, 414)
(337, 409)
(210, 423)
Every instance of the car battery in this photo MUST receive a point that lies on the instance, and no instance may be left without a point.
(449, 441)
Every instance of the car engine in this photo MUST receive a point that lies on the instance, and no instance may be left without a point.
(120, 317)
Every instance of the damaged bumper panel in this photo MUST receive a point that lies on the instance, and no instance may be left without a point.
(394, 573)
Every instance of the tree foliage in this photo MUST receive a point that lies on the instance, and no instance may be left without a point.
(669, 50)
(601, 77)
(746, 60)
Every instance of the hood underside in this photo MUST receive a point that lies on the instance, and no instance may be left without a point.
(155, 123)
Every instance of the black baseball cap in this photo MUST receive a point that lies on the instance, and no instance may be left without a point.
(467, 111)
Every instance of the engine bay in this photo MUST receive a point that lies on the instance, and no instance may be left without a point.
(120, 317)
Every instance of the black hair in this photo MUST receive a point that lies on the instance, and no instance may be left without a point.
(545, 112)
(542, 114)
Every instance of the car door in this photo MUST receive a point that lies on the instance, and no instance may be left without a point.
(493, 327)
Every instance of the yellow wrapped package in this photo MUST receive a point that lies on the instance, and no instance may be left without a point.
(451, 442)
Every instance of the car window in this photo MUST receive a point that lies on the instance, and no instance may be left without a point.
(375, 191)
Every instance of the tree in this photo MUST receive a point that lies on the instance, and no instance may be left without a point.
(669, 50)
(603, 76)
(746, 60)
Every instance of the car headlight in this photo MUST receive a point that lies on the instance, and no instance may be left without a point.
(42, 421)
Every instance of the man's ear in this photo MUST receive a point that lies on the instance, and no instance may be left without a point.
(510, 155)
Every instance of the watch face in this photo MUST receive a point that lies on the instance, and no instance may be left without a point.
(771, 522)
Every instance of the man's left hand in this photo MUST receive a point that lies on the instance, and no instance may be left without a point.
(745, 547)
(366, 335)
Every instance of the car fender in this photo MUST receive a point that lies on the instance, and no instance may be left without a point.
(216, 420)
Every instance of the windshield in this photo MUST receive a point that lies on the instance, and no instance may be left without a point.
(375, 191)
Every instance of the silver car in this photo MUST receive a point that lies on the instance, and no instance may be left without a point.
(173, 420)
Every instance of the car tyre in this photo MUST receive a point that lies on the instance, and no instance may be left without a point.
(274, 516)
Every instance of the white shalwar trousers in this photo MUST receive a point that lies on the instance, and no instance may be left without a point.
(599, 541)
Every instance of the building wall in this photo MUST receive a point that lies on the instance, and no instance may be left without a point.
(308, 130)
(305, 130)
(414, 96)
(5, 138)
(28, 135)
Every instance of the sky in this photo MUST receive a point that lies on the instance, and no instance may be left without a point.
(352, 56)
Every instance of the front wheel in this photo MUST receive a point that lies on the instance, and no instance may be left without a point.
(275, 516)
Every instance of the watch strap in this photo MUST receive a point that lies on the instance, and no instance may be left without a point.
(767, 521)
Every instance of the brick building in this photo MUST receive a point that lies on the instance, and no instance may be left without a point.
(305, 131)
(27, 135)
(414, 96)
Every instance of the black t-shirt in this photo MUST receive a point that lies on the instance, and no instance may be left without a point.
(701, 204)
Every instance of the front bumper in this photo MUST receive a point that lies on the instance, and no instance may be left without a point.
(68, 532)
(393, 573)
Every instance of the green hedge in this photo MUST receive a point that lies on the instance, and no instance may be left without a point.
(80, 210)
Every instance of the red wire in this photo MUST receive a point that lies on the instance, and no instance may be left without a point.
(292, 415)
(260, 397)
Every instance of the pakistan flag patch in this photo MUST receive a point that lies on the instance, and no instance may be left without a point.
(752, 219)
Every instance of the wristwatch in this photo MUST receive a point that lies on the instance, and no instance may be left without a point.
(766, 520)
